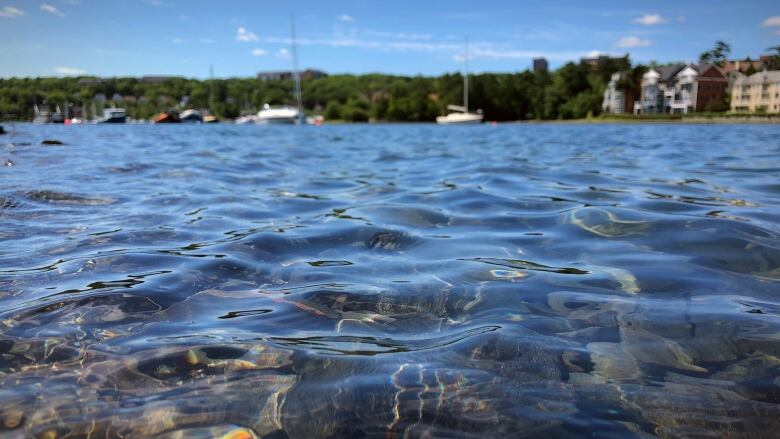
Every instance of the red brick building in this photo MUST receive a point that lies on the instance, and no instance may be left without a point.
(711, 89)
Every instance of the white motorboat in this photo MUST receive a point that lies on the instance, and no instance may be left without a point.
(114, 115)
(462, 115)
(191, 116)
(279, 115)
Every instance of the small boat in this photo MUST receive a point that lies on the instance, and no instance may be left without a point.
(191, 116)
(114, 115)
(57, 116)
(210, 119)
(284, 115)
(249, 118)
(287, 115)
(315, 120)
(462, 115)
(166, 117)
(44, 115)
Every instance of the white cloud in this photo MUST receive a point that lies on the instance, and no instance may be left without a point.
(10, 12)
(772, 21)
(283, 53)
(259, 52)
(398, 35)
(178, 41)
(626, 42)
(482, 50)
(207, 41)
(69, 71)
(157, 3)
(650, 19)
(346, 18)
(245, 36)
(51, 10)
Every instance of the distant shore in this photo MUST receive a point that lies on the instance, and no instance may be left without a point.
(693, 119)
(598, 120)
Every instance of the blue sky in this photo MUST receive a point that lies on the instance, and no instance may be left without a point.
(182, 37)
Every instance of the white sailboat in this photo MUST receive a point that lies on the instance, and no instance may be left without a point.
(462, 115)
(286, 114)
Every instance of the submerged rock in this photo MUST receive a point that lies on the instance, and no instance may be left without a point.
(607, 223)
(66, 198)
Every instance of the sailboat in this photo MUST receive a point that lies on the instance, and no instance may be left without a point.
(461, 115)
(286, 114)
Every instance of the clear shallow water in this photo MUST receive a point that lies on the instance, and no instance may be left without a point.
(382, 281)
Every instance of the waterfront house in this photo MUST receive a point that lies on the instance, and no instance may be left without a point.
(619, 94)
(681, 89)
(759, 92)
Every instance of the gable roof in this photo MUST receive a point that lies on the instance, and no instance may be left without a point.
(705, 68)
(668, 72)
(759, 77)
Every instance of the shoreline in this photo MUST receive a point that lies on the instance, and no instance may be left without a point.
(699, 120)
(692, 120)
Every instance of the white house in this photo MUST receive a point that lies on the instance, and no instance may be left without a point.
(681, 88)
(614, 98)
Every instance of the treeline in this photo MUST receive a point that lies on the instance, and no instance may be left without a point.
(573, 91)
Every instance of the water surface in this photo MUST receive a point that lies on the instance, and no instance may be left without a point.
(390, 281)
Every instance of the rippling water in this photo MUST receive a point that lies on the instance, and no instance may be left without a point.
(390, 281)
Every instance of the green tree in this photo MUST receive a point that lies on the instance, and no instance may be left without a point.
(774, 61)
(718, 55)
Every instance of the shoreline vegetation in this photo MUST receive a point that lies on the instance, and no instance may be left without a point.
(574, 92)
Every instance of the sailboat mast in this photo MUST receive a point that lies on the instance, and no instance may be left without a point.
(466, 78)
(296, 75)
(211, 89)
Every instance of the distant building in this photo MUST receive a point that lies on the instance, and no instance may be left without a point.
(598, 61)
(757, 92)
(620, 94)
(681, 89)
(274, 76)
(742, 65)
(286, 75)
(540, 65)
(90, 81)
(734, 67)
(158, 79)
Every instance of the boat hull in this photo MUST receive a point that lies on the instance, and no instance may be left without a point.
(166, 117)
(277, 120)
(118, 119)
(460, 119)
